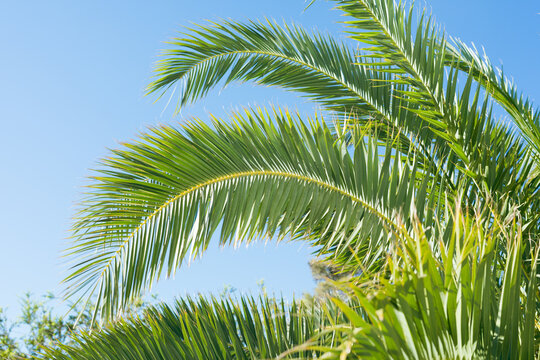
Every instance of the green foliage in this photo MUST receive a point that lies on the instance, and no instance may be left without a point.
(268, 54)
(9, 349)
(203, 329)
(454, 297)
(40, 325)
(159, 201)
(417, 191)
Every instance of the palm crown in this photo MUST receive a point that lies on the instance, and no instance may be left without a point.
(406, 189)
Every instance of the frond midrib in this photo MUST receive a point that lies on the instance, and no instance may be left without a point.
(253, 173)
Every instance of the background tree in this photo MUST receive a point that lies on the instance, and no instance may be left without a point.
(8, 345)
(40, 325)
(326, 275)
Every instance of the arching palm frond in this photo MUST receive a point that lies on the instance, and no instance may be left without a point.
(157, 202)
(317, 66)
(203, 329)
(403, 87)
(370, 193)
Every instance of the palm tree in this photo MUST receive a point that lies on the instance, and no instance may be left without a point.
(414, 134)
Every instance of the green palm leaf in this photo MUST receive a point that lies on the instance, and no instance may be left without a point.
(268, 54)
(404, 87)
(522, 111)
(317, 66)
(203, 329)
(370, 193)
(157, 202)
(463, 131)
(414, 53)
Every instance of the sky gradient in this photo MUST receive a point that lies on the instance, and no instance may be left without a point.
(72, 85)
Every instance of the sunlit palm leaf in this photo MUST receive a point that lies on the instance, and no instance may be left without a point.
(409, 138)
(314, 65)
(203, 329)
(465, 134)
(404, 86)
(157, 202)
(414, 52)
(289, 57)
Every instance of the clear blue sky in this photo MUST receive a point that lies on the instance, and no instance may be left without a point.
(72, 75)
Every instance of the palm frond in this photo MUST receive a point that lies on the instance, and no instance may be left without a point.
(157, 203)
(371, 193)
(463, 136)
(203, 329)
(315, 65)
(414, 53)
